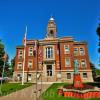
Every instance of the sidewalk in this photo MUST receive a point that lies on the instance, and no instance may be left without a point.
(26, 94)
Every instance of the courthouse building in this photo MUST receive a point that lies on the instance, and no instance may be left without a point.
(52, 58)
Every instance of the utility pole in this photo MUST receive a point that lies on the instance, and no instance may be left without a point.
(5, 57)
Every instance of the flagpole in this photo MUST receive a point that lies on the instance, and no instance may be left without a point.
(41, 73)
(24, 56)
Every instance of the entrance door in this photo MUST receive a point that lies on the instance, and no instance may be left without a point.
(49, 70)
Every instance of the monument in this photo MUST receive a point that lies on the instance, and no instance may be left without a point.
(79, 89)
(77, 82)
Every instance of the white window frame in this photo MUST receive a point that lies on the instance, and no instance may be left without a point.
(20, 56)
(67, 76)
(29, 77)
(19, 65)
(82, 64)
(30, 65)
(86, 75)
(66, 49)
(30, 51)
(76, 53)
(82, 52)
(47, 50)
(69, 62)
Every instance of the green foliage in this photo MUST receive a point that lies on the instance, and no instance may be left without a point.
(98, 71)
(11, 67)
(1, 53)
(93, 68)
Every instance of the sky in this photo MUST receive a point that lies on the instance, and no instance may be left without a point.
(77, 18)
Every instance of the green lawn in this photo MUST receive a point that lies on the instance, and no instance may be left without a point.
(51, 93)
(8, 88)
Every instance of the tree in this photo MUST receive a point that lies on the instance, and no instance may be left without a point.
(97, 71)
(93, 68)
(2, 53)
(98, 33)
(12, 66)
(1, 56)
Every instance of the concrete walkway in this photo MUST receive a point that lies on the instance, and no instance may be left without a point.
(26, 94)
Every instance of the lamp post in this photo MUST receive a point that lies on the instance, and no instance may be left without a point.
(4, 59)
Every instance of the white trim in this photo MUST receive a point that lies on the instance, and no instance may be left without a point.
(30, 53)
(85, 63)
(69, 62)
(66, 52)
(18, 65)
(83, 51)
(31, 63)
(20, 56)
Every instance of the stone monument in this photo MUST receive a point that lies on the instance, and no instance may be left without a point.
(77, 82)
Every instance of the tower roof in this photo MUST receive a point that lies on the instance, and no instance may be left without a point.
(51, 19)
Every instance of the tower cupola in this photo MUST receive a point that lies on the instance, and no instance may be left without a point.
(51, 29)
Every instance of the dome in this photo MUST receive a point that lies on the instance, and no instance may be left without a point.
(52, 19)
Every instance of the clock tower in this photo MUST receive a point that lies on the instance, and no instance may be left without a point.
(51, 29)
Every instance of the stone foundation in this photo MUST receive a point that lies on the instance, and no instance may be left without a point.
(57, 77)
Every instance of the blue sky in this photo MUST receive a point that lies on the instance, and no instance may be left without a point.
(77, 18)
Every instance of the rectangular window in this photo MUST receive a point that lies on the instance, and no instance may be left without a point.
(84, 75)
(68, 75)
(66, 49)
(49, 52)
(29, 77)
(30, 64)
(81, 51)
(67, 62)
(83, 63)
(30, 51)
(20, 54)
(20, 65)
(76, 51)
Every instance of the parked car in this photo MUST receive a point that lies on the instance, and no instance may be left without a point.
(4, 79)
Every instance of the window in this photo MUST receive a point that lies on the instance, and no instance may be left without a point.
(66, 48)
(29, 77)
(30, 52)
(75, 51)
(84, 75)
(67, 62)
(49, 52)
(30, 64)
(81, 51)
(68, 75)
(19, 66)
(20, 54)
(83, 63)
(19, 77)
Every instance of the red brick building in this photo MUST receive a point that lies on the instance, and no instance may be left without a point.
(54, 58)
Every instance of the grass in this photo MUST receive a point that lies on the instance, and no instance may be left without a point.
(51, 93)
(8, 88)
